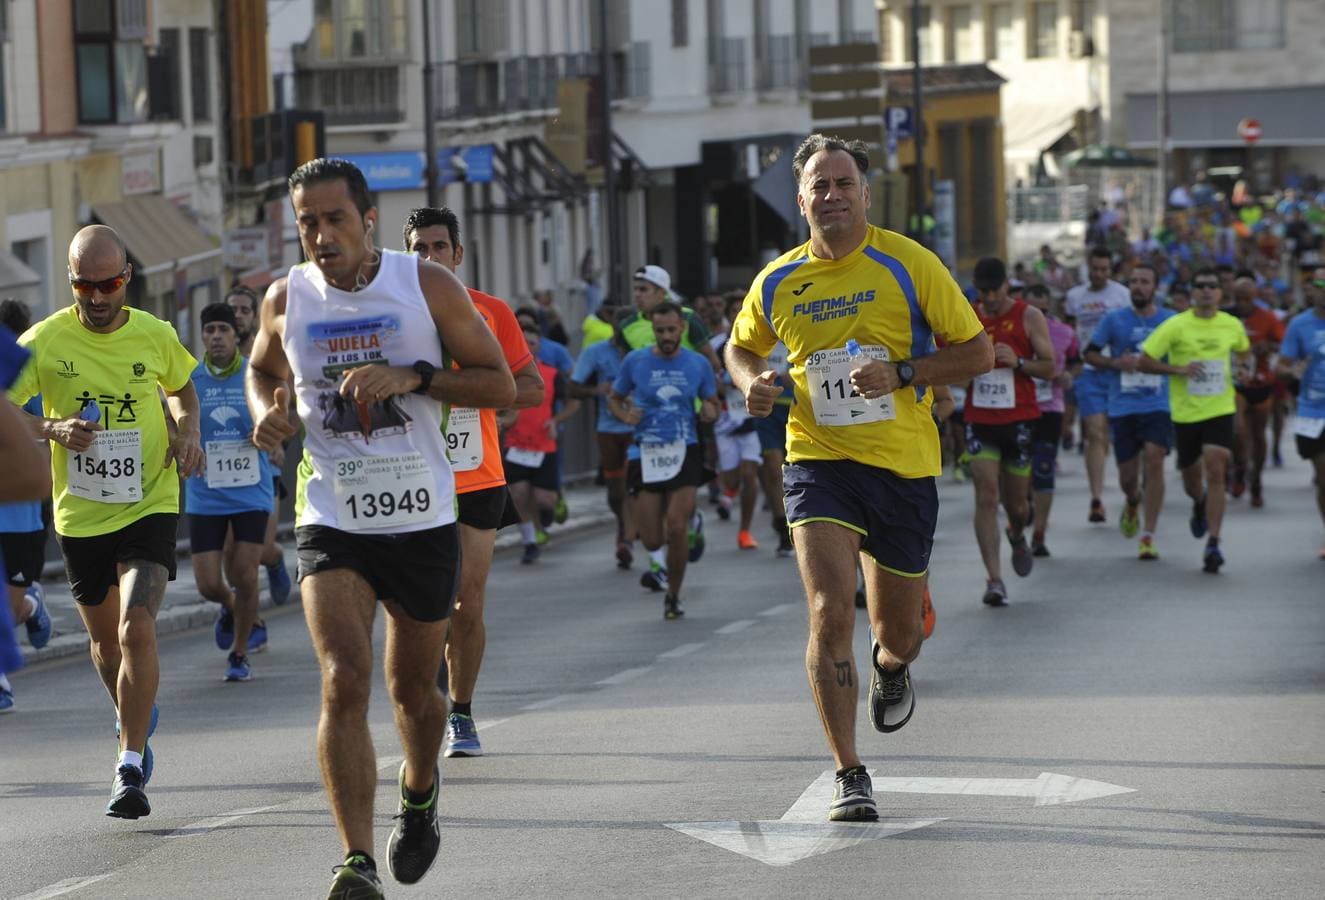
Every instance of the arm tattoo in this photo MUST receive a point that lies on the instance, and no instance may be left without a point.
(845, 676)
(143, 584)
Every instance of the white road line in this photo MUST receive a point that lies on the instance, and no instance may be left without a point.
(780, 609)
(67, 886)
(389, 762)
(550, 701)
(624, 676)
(733, 627)
(484, 725)
(678, 652)
(202, 826)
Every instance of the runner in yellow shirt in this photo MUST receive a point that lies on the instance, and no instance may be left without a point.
(1199, 345)
(99, 367)
(858, 309)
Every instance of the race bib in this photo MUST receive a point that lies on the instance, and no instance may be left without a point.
(1044, 390)
(111, 470)
(384, 492)
(464, 439)
(530, 459)
(995, 389)
(1139, 381)
(735, 403)
(1308, 427)
(232, 464)
(661, 462)
(835, 401)
(1212, 381)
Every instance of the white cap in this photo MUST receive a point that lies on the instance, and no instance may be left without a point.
(655, 275)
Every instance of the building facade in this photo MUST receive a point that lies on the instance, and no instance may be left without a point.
(109, 114)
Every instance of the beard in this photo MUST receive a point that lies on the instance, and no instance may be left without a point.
(1139, 302)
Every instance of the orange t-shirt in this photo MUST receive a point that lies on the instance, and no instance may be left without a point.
(489, 472)
(1263, 327)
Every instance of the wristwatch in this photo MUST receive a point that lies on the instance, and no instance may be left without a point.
(425, 370)
(906, 373)
(1020, 362)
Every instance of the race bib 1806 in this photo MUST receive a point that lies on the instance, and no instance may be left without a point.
(995, 389)
(464, 439)
(661, 462)
(835, 401)
(232, 464)
(111, 470)
(1212, 381)
(384, 492)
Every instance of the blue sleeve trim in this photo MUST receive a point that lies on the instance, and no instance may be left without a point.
(922, 336)
(770, 287)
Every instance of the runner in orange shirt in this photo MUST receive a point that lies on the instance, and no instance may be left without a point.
(484, 502)
(1255, 395)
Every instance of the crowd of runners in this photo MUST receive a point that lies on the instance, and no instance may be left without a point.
(814, 411)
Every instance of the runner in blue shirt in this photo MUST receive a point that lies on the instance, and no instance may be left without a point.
(594, 373)
(236, 494)
(1138, 405)
(656, 392)
(1302, 355)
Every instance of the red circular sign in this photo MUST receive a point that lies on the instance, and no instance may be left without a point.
(1249, 130)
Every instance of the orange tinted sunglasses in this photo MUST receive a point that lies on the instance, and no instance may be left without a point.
(84, 288)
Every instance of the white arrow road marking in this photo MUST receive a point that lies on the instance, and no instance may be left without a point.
(624, 675)
(780, 609)
(678, 652)
(67, 886)
(1048, 789)
(202, 826)
(802, 832)
(733, 627)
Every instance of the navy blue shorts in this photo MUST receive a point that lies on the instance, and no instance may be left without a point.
(895, 516)
(772, 429)
(1132, 432)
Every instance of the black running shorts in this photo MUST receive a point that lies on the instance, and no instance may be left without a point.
(92, 561)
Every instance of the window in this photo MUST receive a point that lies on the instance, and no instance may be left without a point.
(200, 71)
(355, 30)
(483, 26)
(110, 60)
(999, 33)
(1083, 17)
(163, 75)
(1044, 29)
(680, 23)
(1206, 25)
(960, 36)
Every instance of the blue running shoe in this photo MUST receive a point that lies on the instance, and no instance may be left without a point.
(696, 537)
(1197, 523)
(6, 700)
(461, 737)
(147, 748)
(225, 629)
(39, 623)
(655, 579)
(237, 668)
(257, 638)
(278, 583)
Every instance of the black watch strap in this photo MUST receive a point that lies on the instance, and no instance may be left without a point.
(425, 370)
(906, 373)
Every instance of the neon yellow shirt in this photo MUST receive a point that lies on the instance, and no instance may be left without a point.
(1187, 338)
(121, 371)
(894, 297)
(594, 330)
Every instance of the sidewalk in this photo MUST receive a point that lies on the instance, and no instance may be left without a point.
(184, 608)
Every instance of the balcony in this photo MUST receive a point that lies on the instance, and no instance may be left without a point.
(353, 95)
(728, 71)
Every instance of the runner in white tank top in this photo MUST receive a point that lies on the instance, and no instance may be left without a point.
(365, 333)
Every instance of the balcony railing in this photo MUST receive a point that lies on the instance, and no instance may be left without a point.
(359, 95)
(481, 88)
(727, 64)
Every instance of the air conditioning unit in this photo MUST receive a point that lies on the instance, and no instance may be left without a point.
(1080, 45)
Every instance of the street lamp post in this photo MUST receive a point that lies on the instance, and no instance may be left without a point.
(429, 112)
(615, 283)
(917, 126)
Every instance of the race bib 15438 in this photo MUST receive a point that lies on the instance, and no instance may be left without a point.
(111, 470)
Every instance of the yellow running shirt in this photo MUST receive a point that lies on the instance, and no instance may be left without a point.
(894, 297)
(1187, 338)
(121, 371)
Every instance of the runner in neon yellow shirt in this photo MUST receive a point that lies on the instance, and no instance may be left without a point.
(99, 366)
(1200, 346)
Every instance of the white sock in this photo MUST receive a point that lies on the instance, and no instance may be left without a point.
(527, 532)
(4, 683)
(32, 607)
(130, 758)
(694, 522)
(659, 556)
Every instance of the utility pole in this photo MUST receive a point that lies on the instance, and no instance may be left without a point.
(615, 282)
(429, 112)
(1162, 111)
(917, 126)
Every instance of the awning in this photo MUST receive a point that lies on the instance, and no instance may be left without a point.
(15, 274)
(157, 233)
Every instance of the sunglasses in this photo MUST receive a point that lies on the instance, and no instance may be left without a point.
(84, 288)
(1205, 285)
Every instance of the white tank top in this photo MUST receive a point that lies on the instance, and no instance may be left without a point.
(377, 468)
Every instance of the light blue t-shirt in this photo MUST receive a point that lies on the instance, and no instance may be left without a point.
(1123, 331)
(225, 417)
(666, 390)
(555, 354)
(599, 364)
(1305, 339)
(23, 518)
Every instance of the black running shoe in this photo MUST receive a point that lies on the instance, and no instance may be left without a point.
(995, 594)
(1197, 522)
(672, 607)
(1022, 560)
(128, 800)
(356, 879)
(891, 699)
(1212, 559)
(416, 837)
(853, 797)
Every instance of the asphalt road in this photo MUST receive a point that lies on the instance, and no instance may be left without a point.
(632, 757)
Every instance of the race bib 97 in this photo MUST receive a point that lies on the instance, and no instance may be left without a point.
(111, 470)
(464, 439)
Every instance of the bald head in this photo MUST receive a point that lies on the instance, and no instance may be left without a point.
(97, 246)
